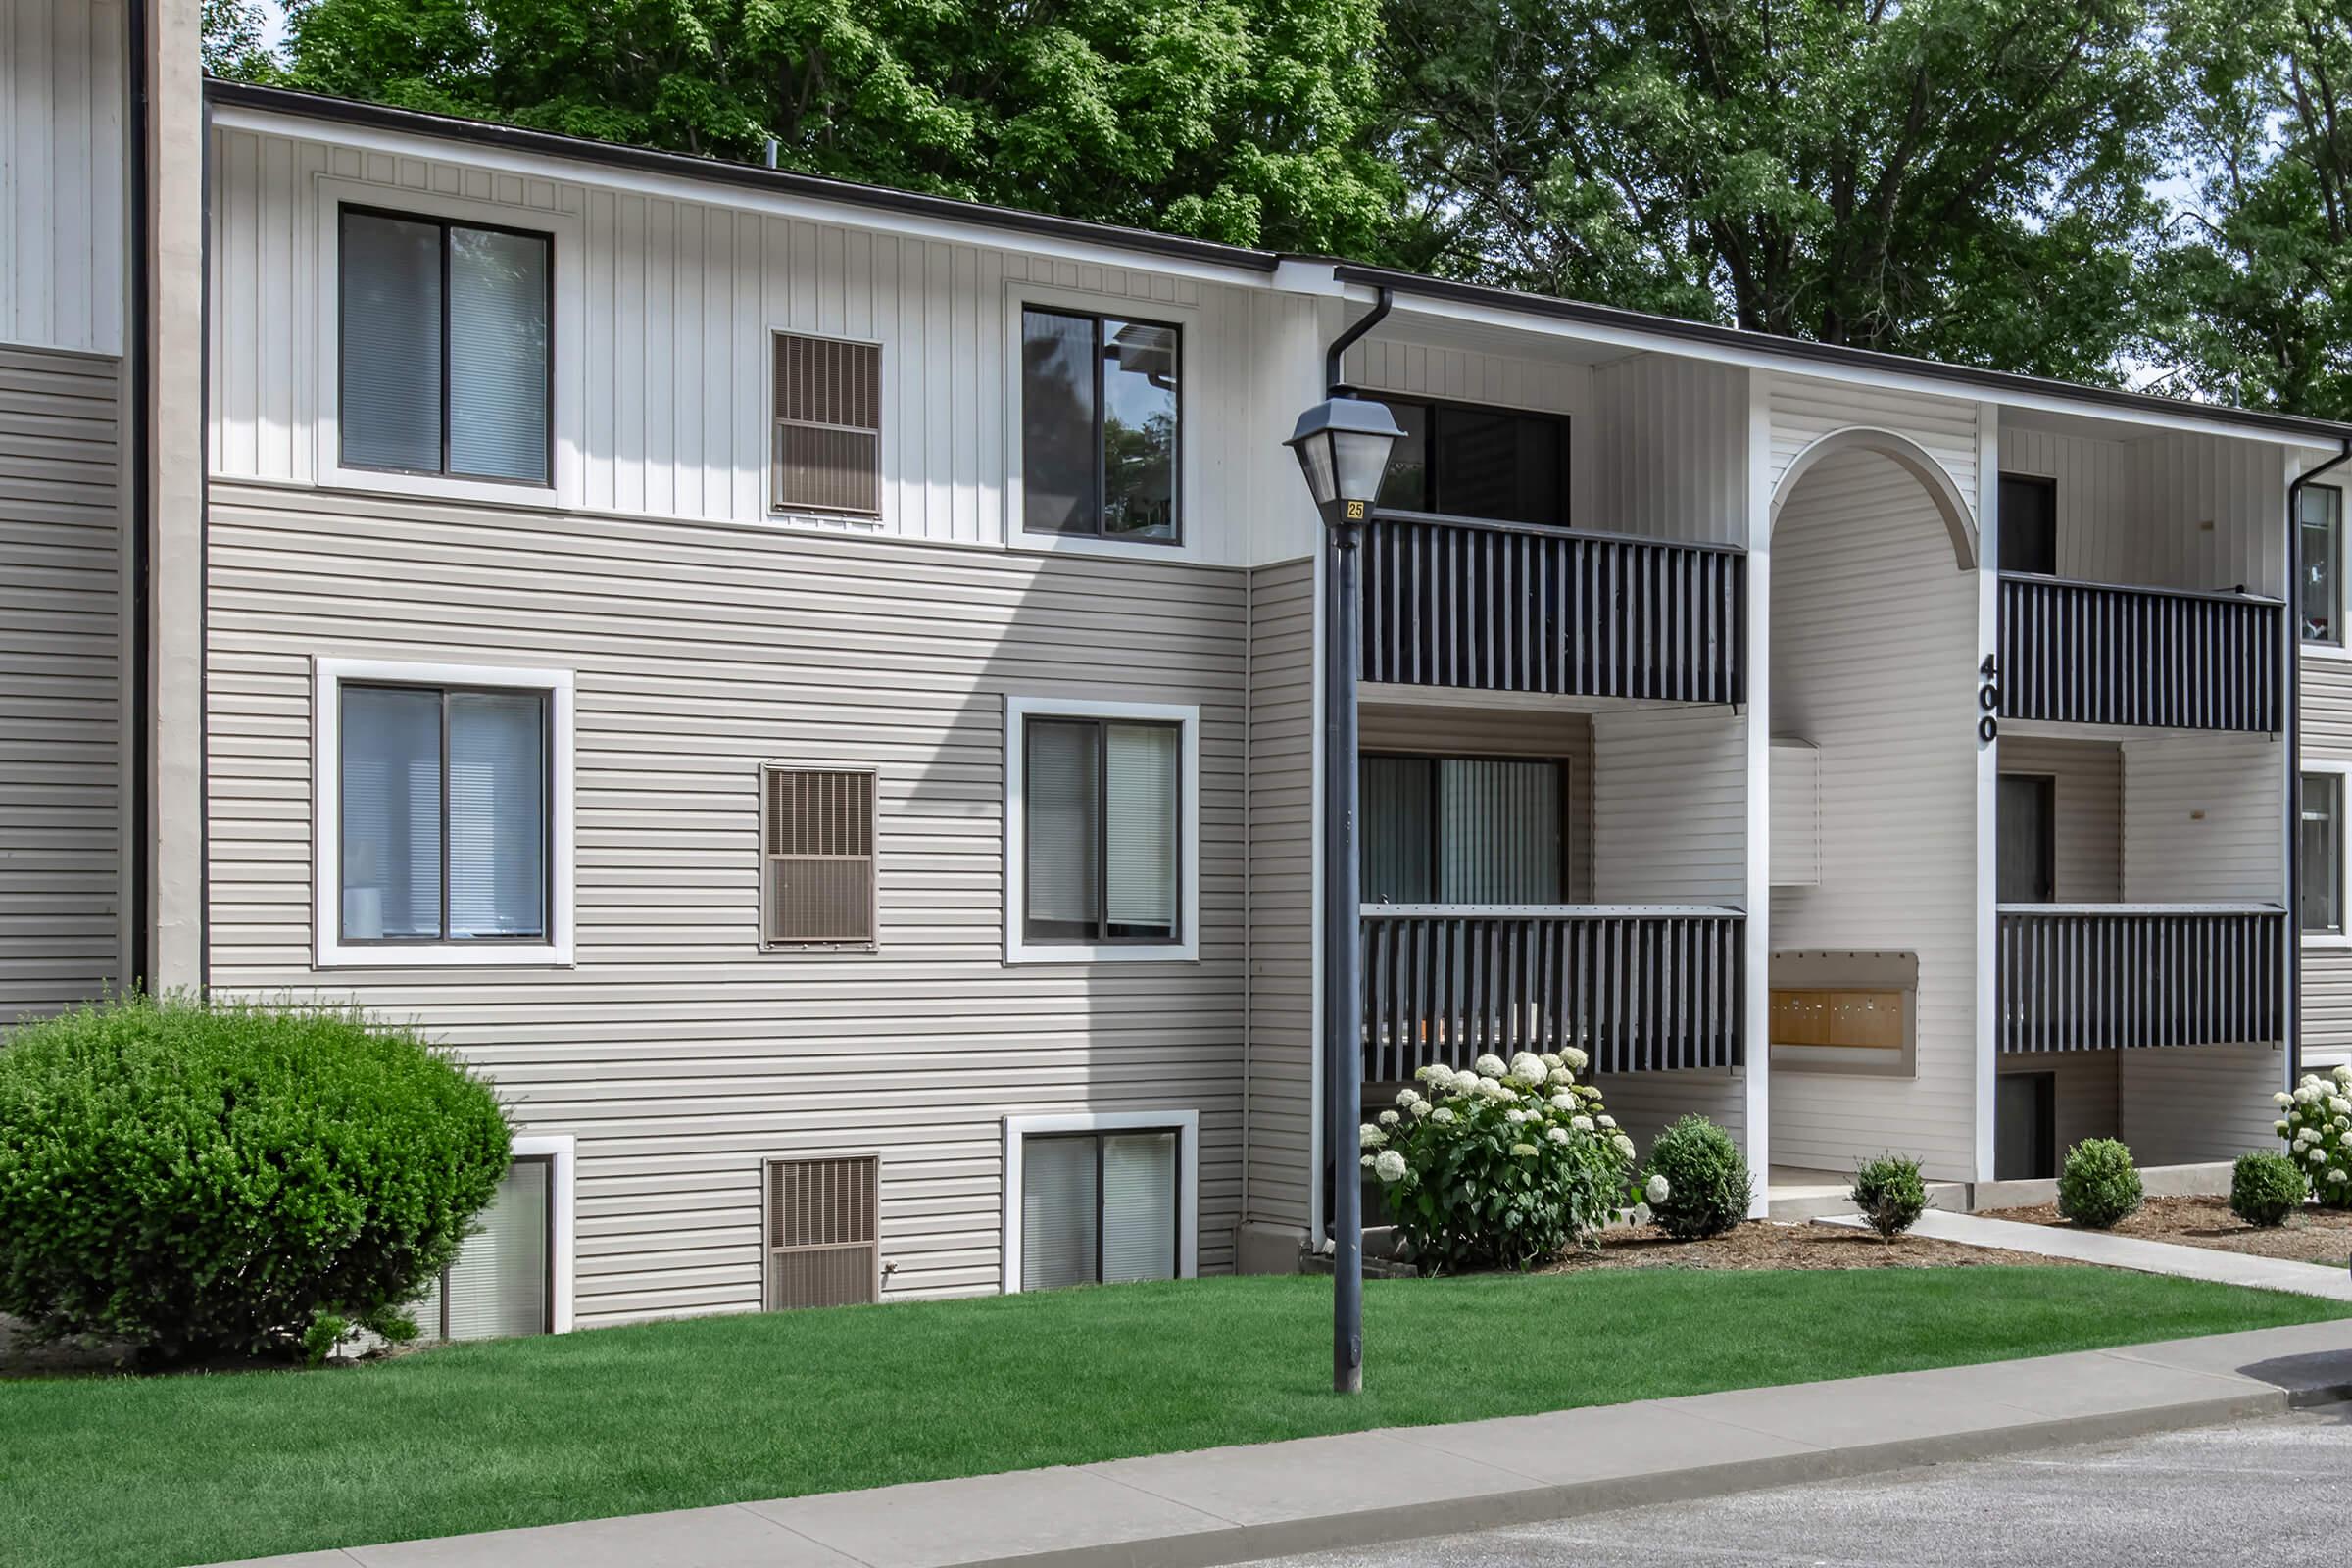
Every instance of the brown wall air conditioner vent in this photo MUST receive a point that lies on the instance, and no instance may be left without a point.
(823, 1238)
(828, 427)
(817, 872)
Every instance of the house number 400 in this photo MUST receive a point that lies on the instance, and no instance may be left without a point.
(1989, 700)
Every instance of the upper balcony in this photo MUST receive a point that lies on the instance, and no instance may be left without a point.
(1509, 606)
(2090, 653)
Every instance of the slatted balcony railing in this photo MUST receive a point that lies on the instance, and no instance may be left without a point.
(2090, 976)
(1635, 987)
(1514, 607)
(2097, 653)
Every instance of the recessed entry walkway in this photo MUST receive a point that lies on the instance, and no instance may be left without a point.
(2130, 1251)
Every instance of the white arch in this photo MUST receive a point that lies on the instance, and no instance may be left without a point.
(1951, 503)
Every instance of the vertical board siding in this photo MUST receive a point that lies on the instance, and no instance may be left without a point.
(1803, 410)
(1671, 449)
(2188, 1104)
(677, 1052)
(1282, 882)
(2327, 971)
(2088, 781)
(1670, 807)
(62, 628)
(2174, 509)
(676, 302)
(63, 166)
(2201, 820)
(1506, 380)
(1873, 661)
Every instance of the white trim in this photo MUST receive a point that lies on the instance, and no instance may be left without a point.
(329, 949)
(559, 1151)
(1187, 717)
(1986, 1000)
(1021, 293)
(1756, 1082)
(1186, 1124)
(2329, 941)
(566, 345)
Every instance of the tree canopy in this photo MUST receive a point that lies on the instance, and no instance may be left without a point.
(2152, 191)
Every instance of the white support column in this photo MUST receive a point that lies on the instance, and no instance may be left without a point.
(1757, 655)
(1988, 780)
(2290, 768)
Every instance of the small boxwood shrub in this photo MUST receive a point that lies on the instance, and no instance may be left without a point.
(2099, 1186)
(2316, 1120)
(2265, 1188)
(1707, 1181)
(1501, 1166)
(226, 1179)
(1890, 1194)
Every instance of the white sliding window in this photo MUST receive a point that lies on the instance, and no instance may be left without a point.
(1100, 1208)
(1104, 816)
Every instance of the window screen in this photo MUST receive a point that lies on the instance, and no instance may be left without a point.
(1099, 426)
(500, 1284)
(444, 813)
(2026, 870)
(2029, 524)
(1099, 1208)
(1102, 825)
(445, 362)
(2323, 852)
(1462, 830)
(2320, 596)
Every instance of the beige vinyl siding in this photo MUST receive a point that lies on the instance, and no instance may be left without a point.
(2173, 510)
(1670, 449)
(1670, 806)
(1803, 410)
(2087, 1087)
(1646, 1104)
(2187, 1104)
(1281, 893)
(62, 897)
(676, 1053)
(2087, 779)
(1467, 730)
(63, 160)
(2327, 971)
(2203, 819)
(1873, 644)
(1548, 384)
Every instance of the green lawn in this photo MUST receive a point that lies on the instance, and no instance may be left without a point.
(148, 1472)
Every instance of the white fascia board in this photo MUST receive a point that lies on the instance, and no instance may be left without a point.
(1633, 340)
(673, 187)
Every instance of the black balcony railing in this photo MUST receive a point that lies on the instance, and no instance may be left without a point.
(2090, 976)
(1514, 607)
(1635, 987)
(2097, 653)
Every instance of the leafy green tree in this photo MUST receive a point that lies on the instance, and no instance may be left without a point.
(1962, 178)
(2258, 277)
(1244, 121)
(233, 34)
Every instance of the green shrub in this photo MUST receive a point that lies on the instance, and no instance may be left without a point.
(205, 1179)
(2316, 1120)
(2098, 1185)
(1502, 1167)
(1889, 1194)
(2265, 1188)
(1706, 1177)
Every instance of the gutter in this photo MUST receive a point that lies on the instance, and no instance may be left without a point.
(2291, 726)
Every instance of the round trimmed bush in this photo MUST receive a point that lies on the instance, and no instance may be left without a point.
(205, 1179)
(1707, 1184)
(2265, 1188)
(2099, 1186)
(1890, 1194)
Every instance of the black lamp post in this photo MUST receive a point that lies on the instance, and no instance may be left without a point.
(1343, 445)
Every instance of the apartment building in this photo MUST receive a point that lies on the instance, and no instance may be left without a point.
(815, 691)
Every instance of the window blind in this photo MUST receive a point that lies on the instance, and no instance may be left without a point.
(1141, 829)
(1397, 829)
(498, 355)
(2322, 853)
(1139, 1207)
(497, 814)
(390, 807)
(1063, 829)
(497, 1287)
(1499, 839)
(391, 350)
(1058, 1213)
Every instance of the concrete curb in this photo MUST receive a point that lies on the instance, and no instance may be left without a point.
(1232, 1505)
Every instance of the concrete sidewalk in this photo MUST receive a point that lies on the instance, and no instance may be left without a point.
(1230, 1505)
(2333, 1284)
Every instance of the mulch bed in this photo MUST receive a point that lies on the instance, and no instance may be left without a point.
(2314, 1235)
(1762, 1243)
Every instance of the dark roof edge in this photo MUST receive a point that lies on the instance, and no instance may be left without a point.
(1804, 351)
(750, 176)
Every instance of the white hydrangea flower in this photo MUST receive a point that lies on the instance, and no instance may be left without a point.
(1389, 1118)
(2319, 1157)
(1559, 1077)
(2343, 1074)
(1439, 1073)
(1563, 1101)
(1610, 1122)
(2283, 1098)
(1442, 1116)
(1489, 1066)
(1389, 1167)
(1420, 1110)
(1529, 1066)
(1582, 1124)
(1371, 1137)
(1523, 1149)
(1656, 1191)
(1549, 1059)
(2339, 1105)
(2335, 1178)
(2279, 1127)
(1366, 1163)
(2305, 1094)
(1625, 1145)
(1574, 1059)
(1515, 1116)
(1407, 1099)
(1558, 1135)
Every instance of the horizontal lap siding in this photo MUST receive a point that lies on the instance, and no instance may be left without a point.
(678, 1054)
(1282, 880)
(2087, 779)
(1670, 806)
(62, 625)
(2084, 1084)
(2187, 1104)
(2326, 736)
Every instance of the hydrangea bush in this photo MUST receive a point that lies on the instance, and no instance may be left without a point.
(2316, 1120)
(1504, 1165)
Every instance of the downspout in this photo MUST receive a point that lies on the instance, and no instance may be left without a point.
(2291, 726)
(1382, 300)
(142, 510)
(203, 553)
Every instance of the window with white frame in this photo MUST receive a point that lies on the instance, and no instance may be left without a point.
(2320, 596)
(1099, 1198)
(2322, 855)
(445, 366)
(1100, 425)
(1102, 802)
(512, 1276)
(443, 809)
